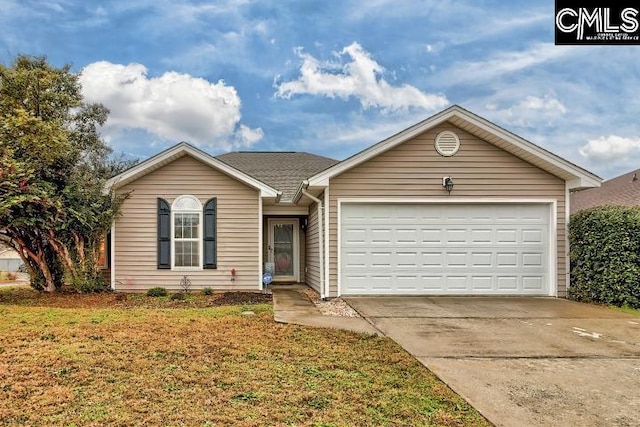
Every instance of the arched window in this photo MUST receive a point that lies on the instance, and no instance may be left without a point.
(186, 223)
(187, 234)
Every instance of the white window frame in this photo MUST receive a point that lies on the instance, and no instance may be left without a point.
(186, 204)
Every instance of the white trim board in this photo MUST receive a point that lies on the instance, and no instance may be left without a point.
(178, 151)
(575, 176)
(295, 246)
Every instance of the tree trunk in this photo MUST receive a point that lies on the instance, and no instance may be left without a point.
(63, 254)
(30, 257)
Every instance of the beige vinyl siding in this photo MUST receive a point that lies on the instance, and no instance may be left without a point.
(313, 250)
(414, 170)
(237, 229)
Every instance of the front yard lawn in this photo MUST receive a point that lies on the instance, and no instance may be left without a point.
(110, 360)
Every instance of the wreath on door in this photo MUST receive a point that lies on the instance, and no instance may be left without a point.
(283, 262)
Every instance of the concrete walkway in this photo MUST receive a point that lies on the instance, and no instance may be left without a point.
(290, 305)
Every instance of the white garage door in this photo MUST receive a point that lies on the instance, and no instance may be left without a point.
(454, 249)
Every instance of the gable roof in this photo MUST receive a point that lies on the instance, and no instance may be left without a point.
(184, 149)
(621, 190)
(575, 176)
(281, 170)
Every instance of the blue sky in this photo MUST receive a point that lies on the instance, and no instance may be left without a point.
(333, 77)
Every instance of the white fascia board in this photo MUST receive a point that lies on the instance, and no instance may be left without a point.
(580, 183)
(322, 179)
(582, 177)
(179, 150)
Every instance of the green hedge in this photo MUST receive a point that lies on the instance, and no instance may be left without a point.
(605, 255)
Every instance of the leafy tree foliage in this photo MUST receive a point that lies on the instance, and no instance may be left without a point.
(53, 166)
(605, 255)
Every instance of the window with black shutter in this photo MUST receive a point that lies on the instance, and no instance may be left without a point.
(164, 234)
(210, 234)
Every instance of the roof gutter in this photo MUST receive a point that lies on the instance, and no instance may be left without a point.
(298, 195)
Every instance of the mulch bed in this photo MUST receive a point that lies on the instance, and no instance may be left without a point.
(241, 298)
(29, 297)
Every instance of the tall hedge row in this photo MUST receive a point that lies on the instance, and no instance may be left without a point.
(605, 255)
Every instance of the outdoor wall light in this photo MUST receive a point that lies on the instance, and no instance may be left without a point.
(447, 183)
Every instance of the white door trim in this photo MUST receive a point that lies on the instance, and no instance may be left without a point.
(553, 225)
(296, 247)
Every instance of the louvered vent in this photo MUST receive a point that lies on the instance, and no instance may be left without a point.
(447, 143)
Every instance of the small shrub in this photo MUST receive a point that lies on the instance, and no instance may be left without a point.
(605, 256)
(179, 296)
(157, 292)
(207, 291)
(91, 283)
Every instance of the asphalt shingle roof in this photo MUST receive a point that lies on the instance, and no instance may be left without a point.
(281, 170)
(622, 190)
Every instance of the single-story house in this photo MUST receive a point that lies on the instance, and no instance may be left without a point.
(454, 205)
(622, 190)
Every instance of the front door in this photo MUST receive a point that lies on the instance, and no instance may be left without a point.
(283, 249)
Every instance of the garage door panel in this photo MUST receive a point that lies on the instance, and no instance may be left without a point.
(432, 235)
(444, 249)
(506, 236)
(381, 259)
(532, 236)
(406, 236)
(532, 260)
(506, 259)
(354, 236)
(481, 283)
(482, 236)
(456, 259)
(481, 259)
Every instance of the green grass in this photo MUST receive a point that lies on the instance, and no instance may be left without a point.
(95, 363)
(627, 309)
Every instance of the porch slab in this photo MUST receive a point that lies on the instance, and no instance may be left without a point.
(291, 305)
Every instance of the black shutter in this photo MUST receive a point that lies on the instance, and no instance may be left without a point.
(164, 234)
(210, 234)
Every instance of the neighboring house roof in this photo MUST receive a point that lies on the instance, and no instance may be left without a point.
(185, 149)
(575, 176)
(622, 190)
(282, 170)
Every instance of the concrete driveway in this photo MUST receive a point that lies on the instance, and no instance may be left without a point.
(522, 361)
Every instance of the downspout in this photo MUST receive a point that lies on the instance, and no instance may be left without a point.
(567, 243)
(112, 255)
(320, 238)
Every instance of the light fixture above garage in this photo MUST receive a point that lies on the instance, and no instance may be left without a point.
(447, 183)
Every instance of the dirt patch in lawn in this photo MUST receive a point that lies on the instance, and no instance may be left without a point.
(98, 363)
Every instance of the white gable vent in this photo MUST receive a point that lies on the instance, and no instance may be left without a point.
(447, 143)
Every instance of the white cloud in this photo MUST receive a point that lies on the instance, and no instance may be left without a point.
(532, 111)
(504, 63)
(173, 106)
(360, 78)
(612, 147)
